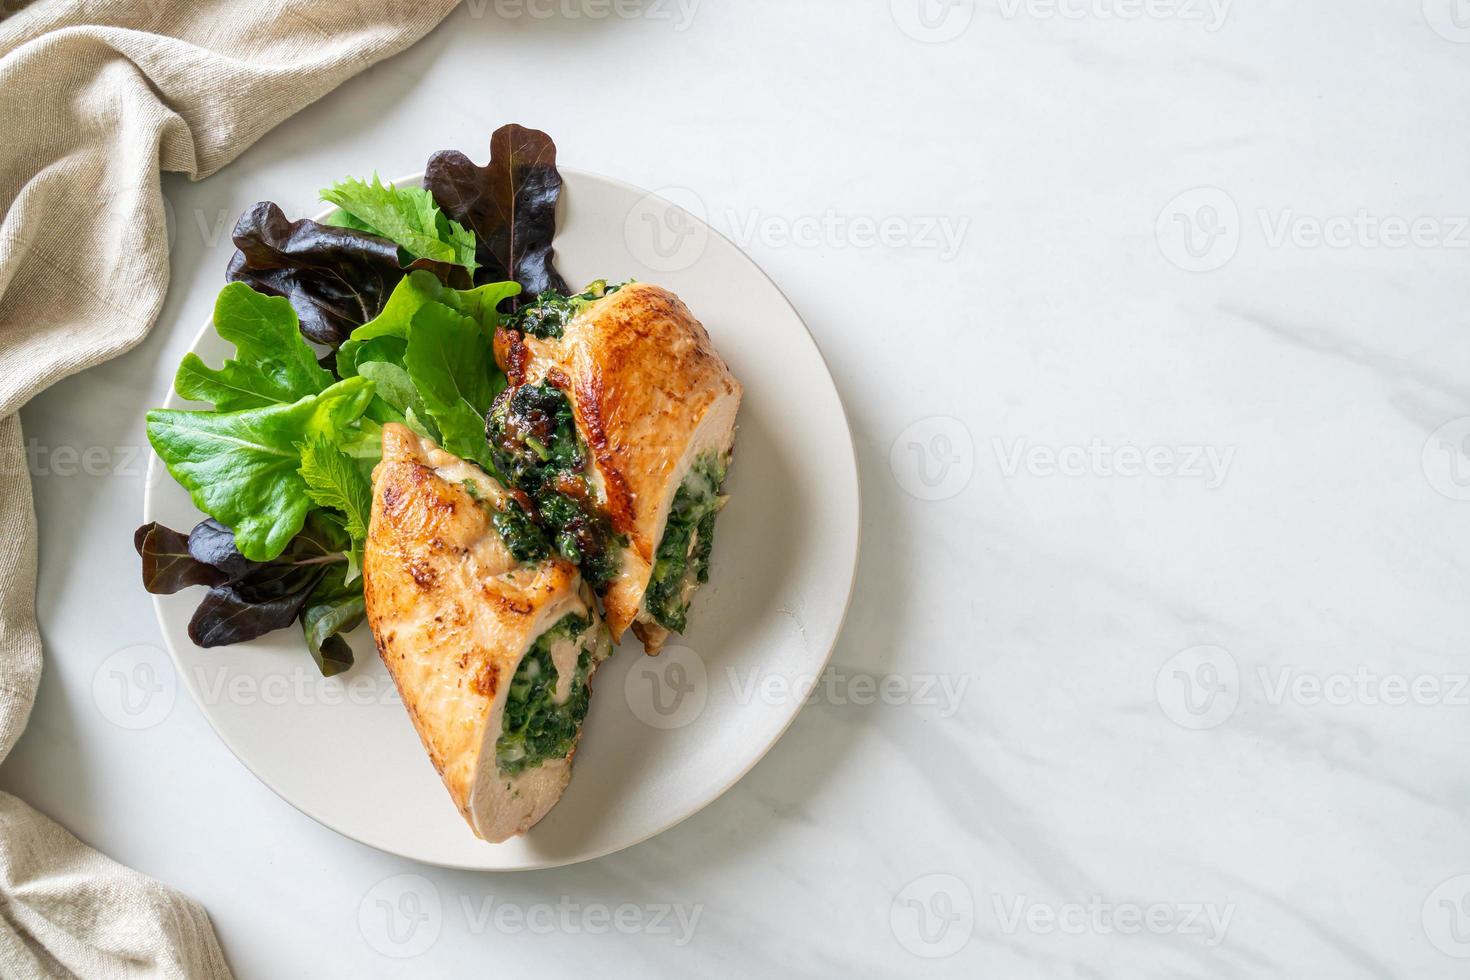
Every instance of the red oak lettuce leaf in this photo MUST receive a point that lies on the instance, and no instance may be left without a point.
(336, 278)
(510, 205)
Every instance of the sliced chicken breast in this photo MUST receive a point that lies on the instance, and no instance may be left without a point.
(492, 656)
(655, 405)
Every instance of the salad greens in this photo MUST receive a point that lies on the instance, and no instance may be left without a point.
(448, 359)
(406, 216)
(385, 312)
(335, 278)
(243, 468)
(509, 204)
(246, 598)
(273, 363)
(335, 481)
(535, 727)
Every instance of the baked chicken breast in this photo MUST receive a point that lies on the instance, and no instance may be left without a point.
(618, 427)
(493, 656)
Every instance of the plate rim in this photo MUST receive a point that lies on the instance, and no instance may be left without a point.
(157, 474)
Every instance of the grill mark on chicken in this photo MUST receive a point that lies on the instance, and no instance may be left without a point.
(423, 575)
(619, 501)
(511, 354)
(487, 681)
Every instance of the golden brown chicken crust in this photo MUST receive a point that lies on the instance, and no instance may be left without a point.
(643, 373)
(451, 613)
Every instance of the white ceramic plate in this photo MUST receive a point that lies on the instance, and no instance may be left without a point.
(665, 736)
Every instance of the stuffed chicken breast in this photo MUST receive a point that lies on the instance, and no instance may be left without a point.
(492, 655)
(617, 431)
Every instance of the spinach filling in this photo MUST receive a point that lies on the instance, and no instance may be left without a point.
(682, 563)
(535, 727)
(523, 537)
(534, 443)
(548, 314)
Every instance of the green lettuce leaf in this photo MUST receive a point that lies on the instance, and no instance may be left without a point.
(384, 337)
(273, 364)
(406, 216)
(450, 363)
(335, 606)
(397, 399)
(243, 468)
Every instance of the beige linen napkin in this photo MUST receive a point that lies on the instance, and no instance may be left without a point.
(96, 98)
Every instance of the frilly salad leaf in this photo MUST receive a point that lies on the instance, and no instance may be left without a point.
(273, 364)
(242, 468)
(509, 204)
(406, 216)
(335, 481)
(335, 278)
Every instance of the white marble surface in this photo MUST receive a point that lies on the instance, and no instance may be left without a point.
(1296, 520)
